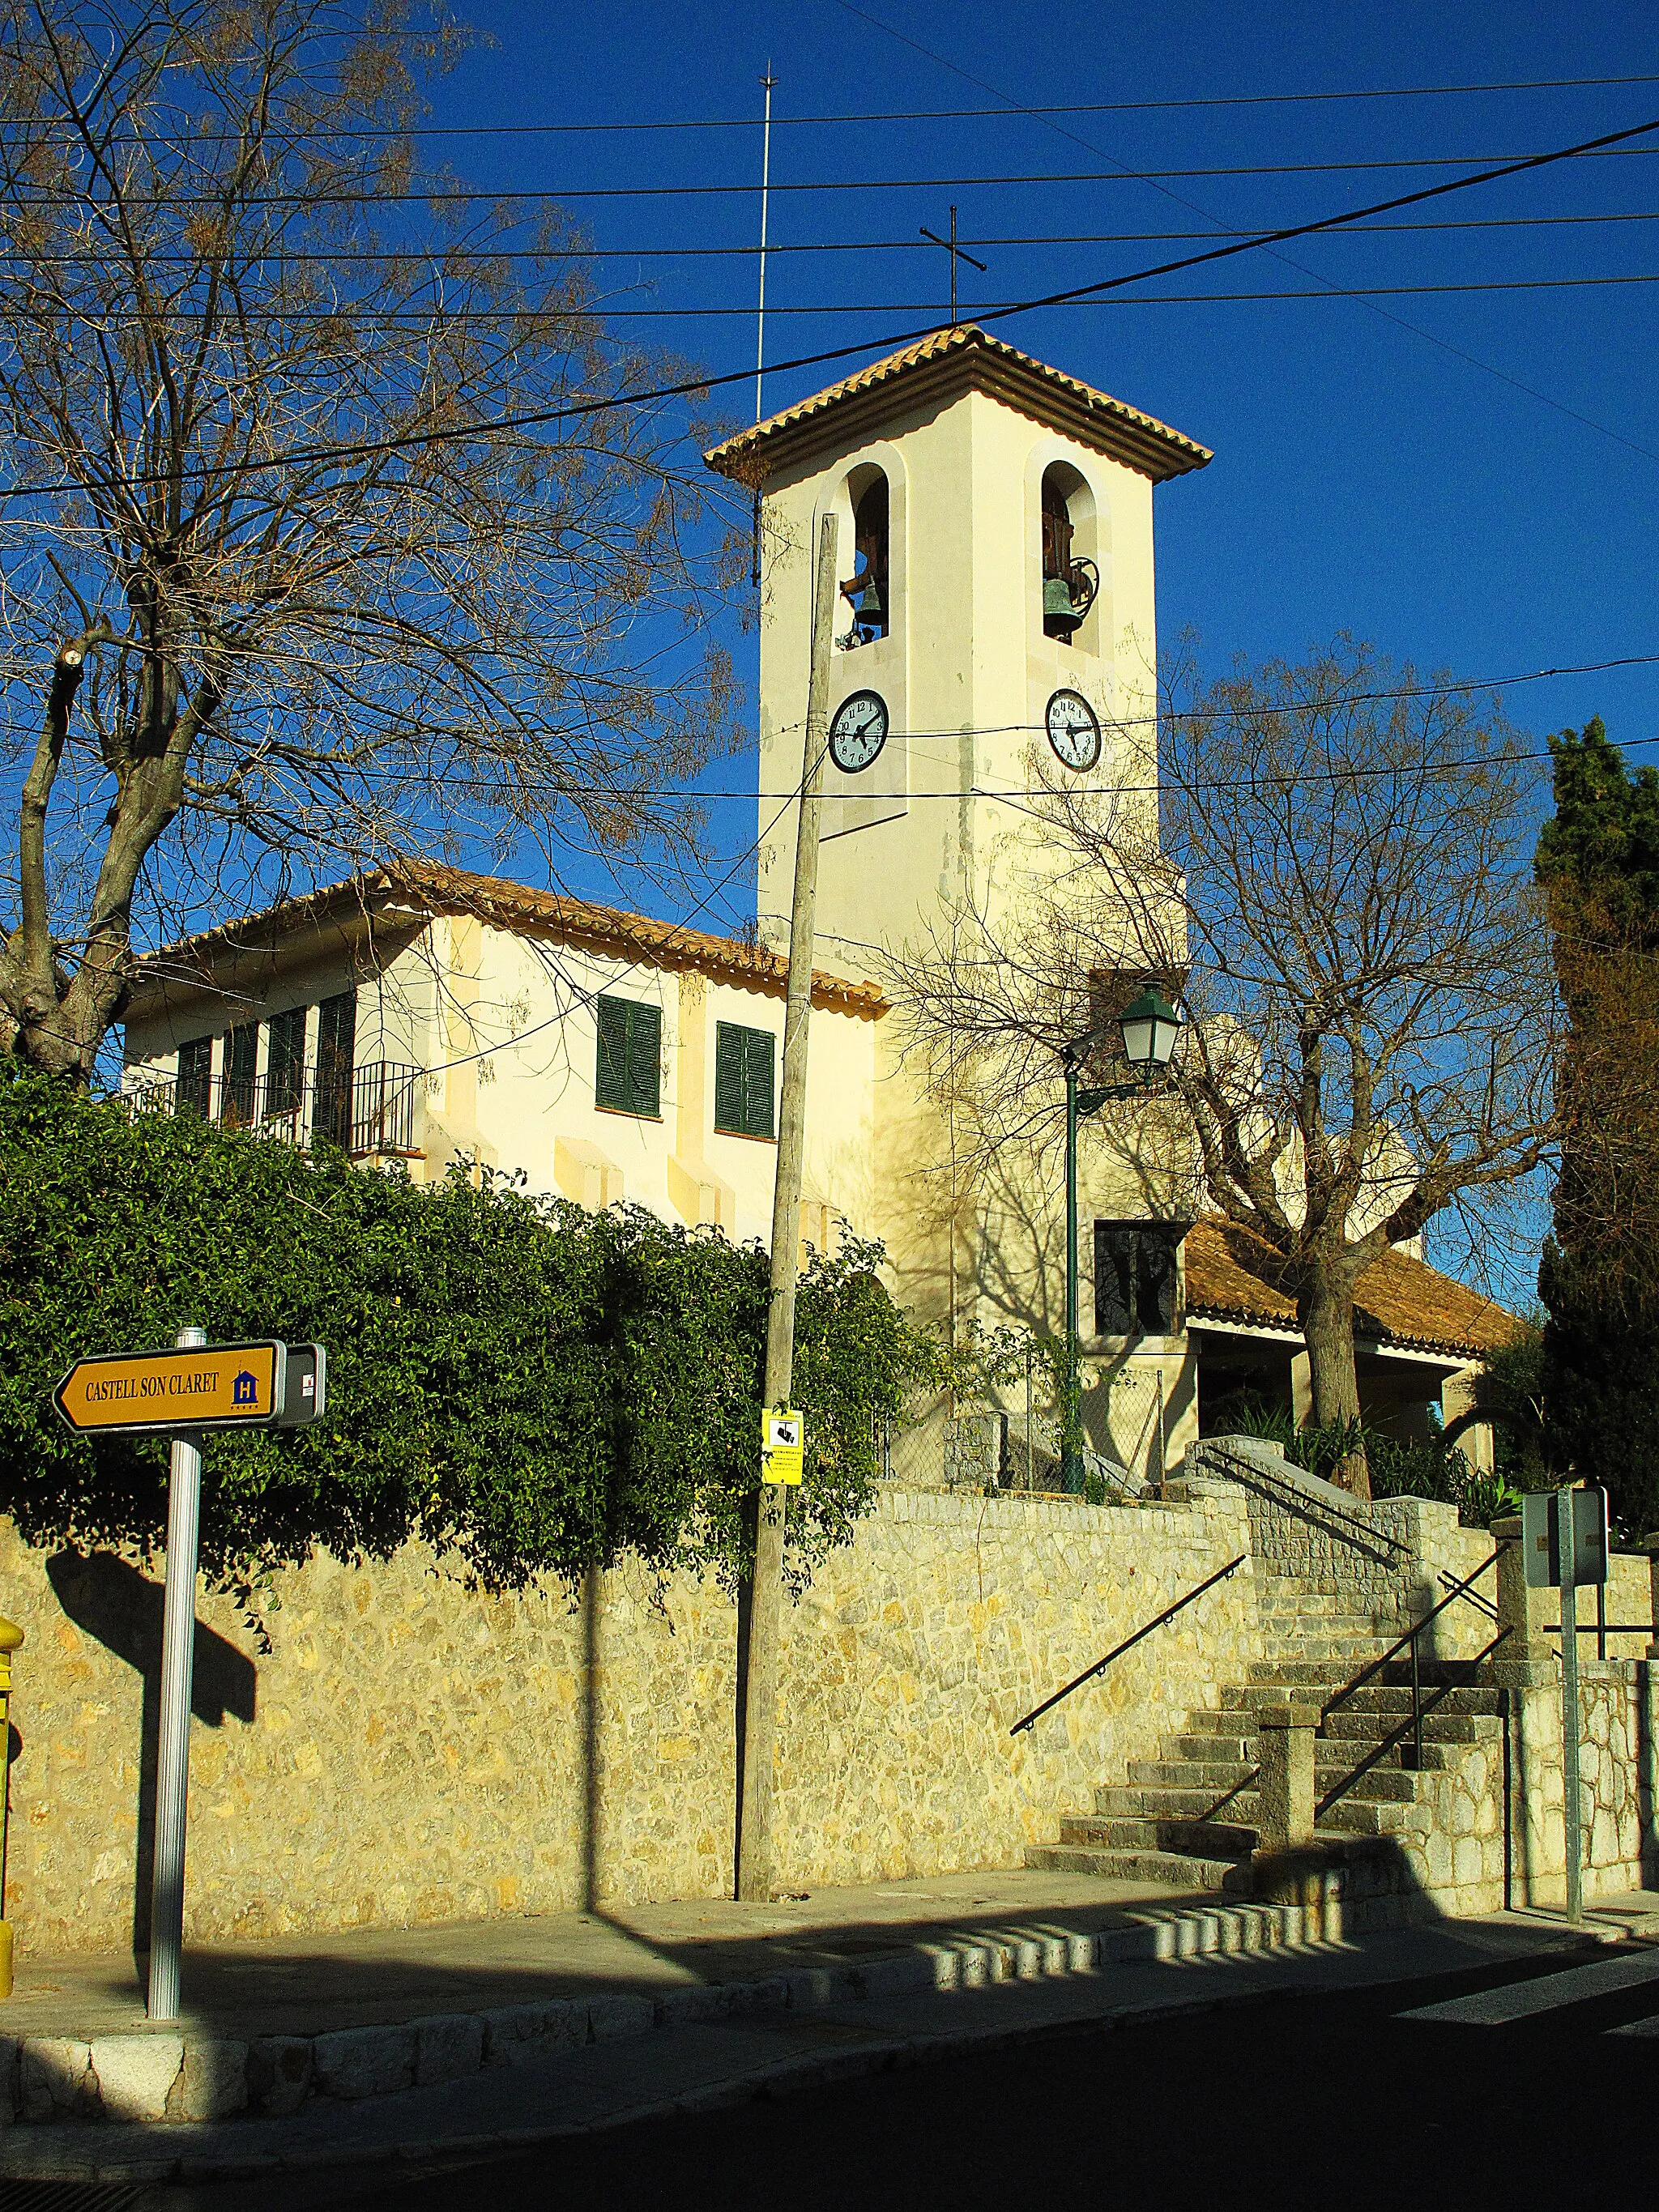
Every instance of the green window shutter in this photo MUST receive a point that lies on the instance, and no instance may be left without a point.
(627, 1077)
(195, 1075)
(757, 1084)
(742, 1080)
(728, 1076)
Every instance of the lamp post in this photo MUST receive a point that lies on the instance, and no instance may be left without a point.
(1148, 1027)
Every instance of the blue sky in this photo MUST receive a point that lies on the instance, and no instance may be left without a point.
(1369, 476)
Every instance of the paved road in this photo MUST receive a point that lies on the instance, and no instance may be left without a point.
(1524, 2083)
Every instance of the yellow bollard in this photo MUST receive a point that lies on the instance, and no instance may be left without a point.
(10, 1637)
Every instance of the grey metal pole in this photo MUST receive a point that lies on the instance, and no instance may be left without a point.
(1571, 1805)
(755, 1868)
(1029, 1417)
(1071, 1450)
(166, 1910)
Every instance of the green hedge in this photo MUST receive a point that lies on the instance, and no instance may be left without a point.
(521, 1383)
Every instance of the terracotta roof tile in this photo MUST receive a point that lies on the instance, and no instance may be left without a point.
(511, 906)
(1232, 1275)
(1049, 394)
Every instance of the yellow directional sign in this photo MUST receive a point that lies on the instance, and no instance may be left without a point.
(208, 1386)
(783, 1446)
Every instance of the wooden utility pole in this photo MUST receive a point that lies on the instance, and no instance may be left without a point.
(766, 1602)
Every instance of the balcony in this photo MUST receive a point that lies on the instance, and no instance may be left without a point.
(369, 1113)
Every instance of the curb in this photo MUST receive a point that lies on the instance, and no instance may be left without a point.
(174, 2081)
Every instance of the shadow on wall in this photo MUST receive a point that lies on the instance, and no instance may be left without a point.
(121, 1609)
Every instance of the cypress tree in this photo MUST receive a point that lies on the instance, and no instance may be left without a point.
(1598, 866)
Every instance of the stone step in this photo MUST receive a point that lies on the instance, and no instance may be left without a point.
(1170, 1868)
(1358, 1620)
(1186, 1773)
(1203, 1839)
(1394, 1699)
(1200, 1745)
(1354, 1815)
(1325, 1632)
(1331, 1761)
(1447, 1729)
(1444, 1736)
(1271, 1677)
(1299, 1673)
(1151, 1798)
(1279, 1652)
(1120, 1801)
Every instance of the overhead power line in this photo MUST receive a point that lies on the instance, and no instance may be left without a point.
(451, 255)
(1008, 112)
(537, 418)
(1452, 688)
(1603, 149)
(419, 317)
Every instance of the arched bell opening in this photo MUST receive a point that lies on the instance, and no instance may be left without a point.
(866, 594)
(1071, 581)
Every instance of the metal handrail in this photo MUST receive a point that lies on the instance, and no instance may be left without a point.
(1411, 1636)
(1481, 1604)
(1310, 1507)
(1118, 1650)
(1412, 1726)
(1459, 1589)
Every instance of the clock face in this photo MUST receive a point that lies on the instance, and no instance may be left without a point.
(1073, 730)
(859, 732)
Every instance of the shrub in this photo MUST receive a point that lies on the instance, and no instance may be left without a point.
(524, 1384)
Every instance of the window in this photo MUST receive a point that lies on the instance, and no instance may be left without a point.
(241, 1059)
(742, 1080)
(628, 1078)
(196, 1076)
(337, 1048)
(867, 590)
(1069, 583)
(285, 1061)
(1135, 1278)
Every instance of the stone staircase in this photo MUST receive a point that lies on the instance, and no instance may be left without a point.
(1187, 1818)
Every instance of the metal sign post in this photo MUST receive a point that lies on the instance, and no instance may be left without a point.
(194, 1386)
(1564, 1536)
(1572, 1803)
(167, 1907)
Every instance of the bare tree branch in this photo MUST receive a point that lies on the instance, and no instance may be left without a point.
(316, 656)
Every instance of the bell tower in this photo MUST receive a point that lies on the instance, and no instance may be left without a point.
(995, 622)
(995, 628)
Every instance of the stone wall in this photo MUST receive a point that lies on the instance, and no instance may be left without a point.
(1461, 1858)
(409, 1750)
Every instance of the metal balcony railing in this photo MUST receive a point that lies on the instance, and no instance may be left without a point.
(368, 1112)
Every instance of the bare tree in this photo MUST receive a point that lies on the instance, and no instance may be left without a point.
(302, 585)
(1340, 897)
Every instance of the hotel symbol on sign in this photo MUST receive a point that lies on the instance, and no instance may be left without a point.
(245, 1390)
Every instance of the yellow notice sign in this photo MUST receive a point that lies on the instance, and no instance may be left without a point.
(219, 1386)
(783, 1446)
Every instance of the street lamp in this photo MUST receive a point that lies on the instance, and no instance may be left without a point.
(1148, 1026)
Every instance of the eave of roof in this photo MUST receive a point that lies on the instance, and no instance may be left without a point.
(434, 889)
(942, 368)
(1234, 1276)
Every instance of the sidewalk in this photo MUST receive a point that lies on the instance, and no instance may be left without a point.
(308, 1986)
(464, 2040)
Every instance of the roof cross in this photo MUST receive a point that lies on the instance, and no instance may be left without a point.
(957, 253)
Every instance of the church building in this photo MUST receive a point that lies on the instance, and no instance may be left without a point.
(995, 620)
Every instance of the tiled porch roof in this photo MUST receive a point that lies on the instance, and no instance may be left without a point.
(1234, 1276)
